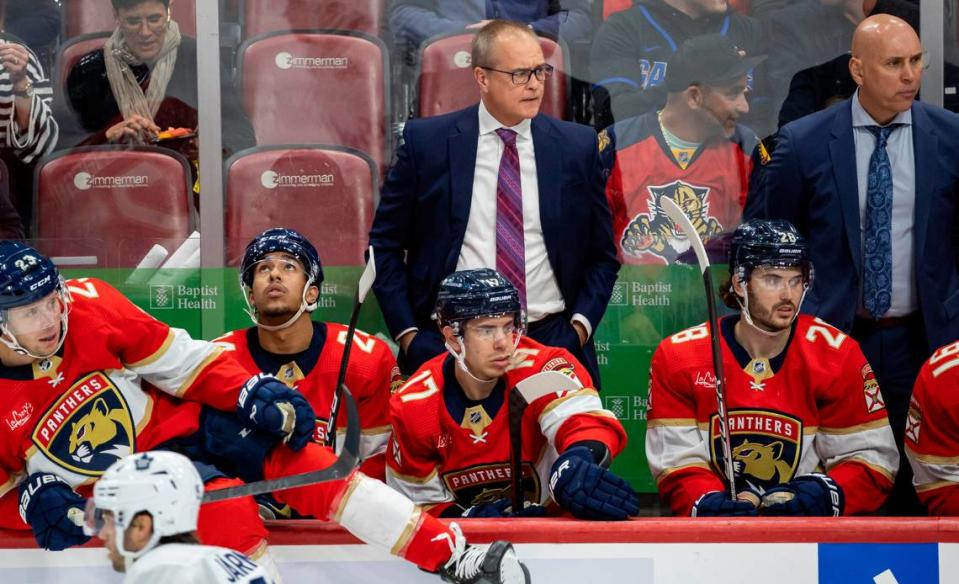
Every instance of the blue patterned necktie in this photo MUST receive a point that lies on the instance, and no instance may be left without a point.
(877, 238)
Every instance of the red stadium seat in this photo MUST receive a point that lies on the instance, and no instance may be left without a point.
(611, 6)
(446, 81)
(317, 87)
(106, 206)
(261, 16)
(71, 51)
(86, 16)
(324, 192)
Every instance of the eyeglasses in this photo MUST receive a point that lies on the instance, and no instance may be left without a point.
(490, 332)
(775, 283)
(522, 76)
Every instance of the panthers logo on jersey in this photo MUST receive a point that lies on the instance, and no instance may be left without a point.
(485, 483)
(766, 447)
(654, 233)
(88, 428)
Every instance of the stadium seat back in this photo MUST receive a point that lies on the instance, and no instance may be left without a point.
(445, 78)
(317, 87)
(107, 206)
(87, 16)
(72, 50)
(262, 16)
(324, 192)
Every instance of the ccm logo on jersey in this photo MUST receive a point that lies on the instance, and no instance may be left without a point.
(88, 428)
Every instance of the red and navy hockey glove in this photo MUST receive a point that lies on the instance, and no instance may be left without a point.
(718, 504)
(267, 404)
(504, 508)
(812, 495)
(49, 505)
(589, 491)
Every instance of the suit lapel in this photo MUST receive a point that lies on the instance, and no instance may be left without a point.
(549, 180)
(925, 146)
(462, 152)
(842, 152)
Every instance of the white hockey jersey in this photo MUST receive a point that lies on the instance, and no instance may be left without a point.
(183, 563)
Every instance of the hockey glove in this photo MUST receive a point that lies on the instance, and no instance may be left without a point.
(718, 504)
(589, 491)
(272, 407)
(504, 508)
(53, 510)
(812, 495)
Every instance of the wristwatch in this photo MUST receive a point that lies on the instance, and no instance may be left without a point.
(27, 91)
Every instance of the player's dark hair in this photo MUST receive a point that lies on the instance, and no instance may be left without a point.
(119, 5)
(485, 39)
(190, 538)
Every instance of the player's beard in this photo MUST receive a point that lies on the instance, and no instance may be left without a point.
(766, 320)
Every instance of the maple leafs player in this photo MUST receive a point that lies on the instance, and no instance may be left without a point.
(932, 432)
(280, 276)
(122, 382)
(450, 448)
(808, 427)
(145, 509)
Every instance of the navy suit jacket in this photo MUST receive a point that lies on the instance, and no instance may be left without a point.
(425, 204)
(811, 181)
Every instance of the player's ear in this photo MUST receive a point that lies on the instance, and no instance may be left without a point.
(450, 338)
(694, 97)
(482, 79)
(739, 287)
(312, 293)
(139, 532)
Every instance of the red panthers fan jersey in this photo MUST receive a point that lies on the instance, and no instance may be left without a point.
(371, 376)
(932, 432)
(449, 450)
(816, 407)
(710, 185)
(81, 410)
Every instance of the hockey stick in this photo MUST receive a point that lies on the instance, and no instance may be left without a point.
(344, 465)
(525, 393)
(685, 225)
(362, 289)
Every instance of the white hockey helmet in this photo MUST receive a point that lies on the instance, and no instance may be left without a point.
(164, 484)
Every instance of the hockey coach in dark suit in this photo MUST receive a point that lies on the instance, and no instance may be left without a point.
(497, 185)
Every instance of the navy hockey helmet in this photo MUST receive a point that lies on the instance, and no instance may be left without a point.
(285, 240)
(26, 276)
(771, 243)
(479, 293)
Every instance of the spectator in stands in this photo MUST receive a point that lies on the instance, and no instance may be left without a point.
(932, 432)
(692, 151)
(633, 49)
(35, 22)
(439, 207)
(872, 183)
(414, 21)
(568, 439)
(144, 80)
(27, 128)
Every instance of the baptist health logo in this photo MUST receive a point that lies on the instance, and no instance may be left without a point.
(285, 60)
(161, 297)
(271, 179)
(85, 181)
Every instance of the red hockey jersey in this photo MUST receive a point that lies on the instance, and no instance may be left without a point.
(932, 432)
(448, 450)
(370, 377)
(710, 186)
(815, 407)
(81, 410)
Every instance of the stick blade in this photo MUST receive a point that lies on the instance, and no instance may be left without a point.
(367, 278)
(677, 216)
(545, 383)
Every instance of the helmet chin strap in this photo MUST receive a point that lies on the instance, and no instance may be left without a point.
(304, 307)
(460, 357)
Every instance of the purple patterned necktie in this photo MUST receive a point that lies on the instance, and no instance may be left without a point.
(510, 248)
